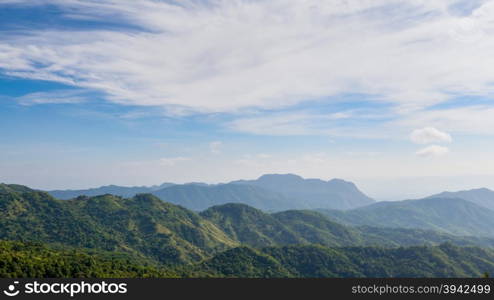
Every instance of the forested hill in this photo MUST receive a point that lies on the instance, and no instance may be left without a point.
(30, 260)
(254, 227)
(142, 225)
(36, 260)
(316, 261)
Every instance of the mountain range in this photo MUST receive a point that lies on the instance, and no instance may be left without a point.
(273, 192)
(227, 235)
(146, 226)
(151, 237)
(122, 191)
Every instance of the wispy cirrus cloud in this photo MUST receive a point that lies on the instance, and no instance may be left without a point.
(54, 97)
(353, 123)
(222, 56)
(433, 151)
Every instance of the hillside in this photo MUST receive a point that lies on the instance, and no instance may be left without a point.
(142, 225)
(315, 228)
(31, 260)
(316, 261)
(251, 226)
(256, 228)
(454, 216)
(483, 197)
(35, 260)
(312, 193)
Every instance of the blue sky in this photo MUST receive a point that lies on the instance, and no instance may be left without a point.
(143, 92)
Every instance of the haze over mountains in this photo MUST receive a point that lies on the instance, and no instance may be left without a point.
(273, 192)
(451, 215)
(116, 190)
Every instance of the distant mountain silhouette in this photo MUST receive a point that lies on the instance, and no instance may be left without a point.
(200, 197)
(483, 197)
(116, 190)
(313, 193)
(269, 192)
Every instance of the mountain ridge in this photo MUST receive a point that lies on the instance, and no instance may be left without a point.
(452, 215)
(313, 193)
(270, 192)
(481, 196)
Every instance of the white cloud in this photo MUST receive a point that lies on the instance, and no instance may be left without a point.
(222, 56)
(274, 124)
(428, 135)
(308, 123)
(215, 147)
(172, 161)
(433, 151)
(58, 96)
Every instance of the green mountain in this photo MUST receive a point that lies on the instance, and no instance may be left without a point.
(312, 261)
(312, 193)
(199, 198)
(483, 197)
(251, 226)
(454, 216)
(142, 225)
(256, 228)
(315, 228)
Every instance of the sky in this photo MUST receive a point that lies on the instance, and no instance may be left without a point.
(396, 96)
